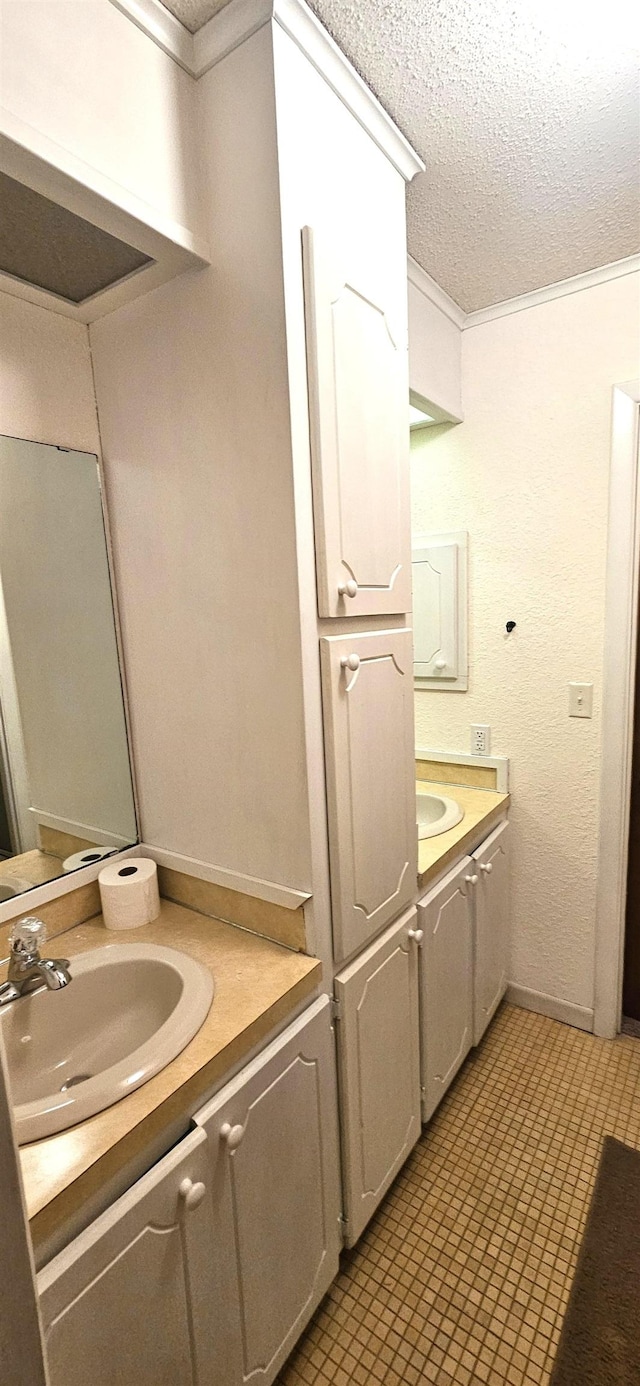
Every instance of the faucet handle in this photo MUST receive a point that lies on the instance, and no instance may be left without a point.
(28, 935)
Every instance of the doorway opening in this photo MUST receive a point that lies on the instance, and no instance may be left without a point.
(619, 840)
(631, 962)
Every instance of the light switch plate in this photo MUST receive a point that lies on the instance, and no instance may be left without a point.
(580, 699)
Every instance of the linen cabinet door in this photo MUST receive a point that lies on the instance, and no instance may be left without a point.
(358, 400)
(275, 1172)
(129, 1300)
(367, 683)
(446, 982)
(379, 1068)
(492, 927)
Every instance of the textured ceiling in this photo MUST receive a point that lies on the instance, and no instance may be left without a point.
(527, 115)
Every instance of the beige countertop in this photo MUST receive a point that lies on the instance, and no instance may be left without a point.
(483, 808)
(34, 866)
(257, 985)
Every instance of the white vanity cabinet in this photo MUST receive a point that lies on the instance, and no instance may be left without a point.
(379, 1068)
(129, 1300)
(358, 391)
(491, 927)
(465, 921)
(273, 1158)
(446, 982)
(207, 1270)
(367, 687)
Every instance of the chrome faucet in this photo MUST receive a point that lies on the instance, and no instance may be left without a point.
(27, 970)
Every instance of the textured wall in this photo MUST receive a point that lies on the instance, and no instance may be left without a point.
(527, 475)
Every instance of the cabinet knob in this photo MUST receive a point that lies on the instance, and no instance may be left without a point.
(192, 1194)
(232, 1135)
(440, 664)
(471, 880)
(488, 868)
(348, 589)
(416, 934)
(351, 662)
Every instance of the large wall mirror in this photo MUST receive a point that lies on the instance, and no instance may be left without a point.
(66, 796)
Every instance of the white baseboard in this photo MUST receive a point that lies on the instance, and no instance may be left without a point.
(231, 880)
(579, 1016)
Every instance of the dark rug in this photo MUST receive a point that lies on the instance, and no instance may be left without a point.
(600, 1340)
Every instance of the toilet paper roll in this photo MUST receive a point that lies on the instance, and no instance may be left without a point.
(86, 857)
(129, 893)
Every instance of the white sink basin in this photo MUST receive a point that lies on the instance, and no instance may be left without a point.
(128, 1010)
(436, 814)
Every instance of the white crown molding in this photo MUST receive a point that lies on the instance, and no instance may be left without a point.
(431, 290)
(227, 29)
(163, 28)
(242, 18)
(198, 53)
(561, 289)
(312, 38)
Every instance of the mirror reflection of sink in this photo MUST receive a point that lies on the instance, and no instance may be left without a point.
(13, 885)
(128, 1011)
(436, 814)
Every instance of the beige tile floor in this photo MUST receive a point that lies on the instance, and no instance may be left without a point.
(463, 1276)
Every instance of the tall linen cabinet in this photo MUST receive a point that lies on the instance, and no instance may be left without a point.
(344, 199)
(255, 433)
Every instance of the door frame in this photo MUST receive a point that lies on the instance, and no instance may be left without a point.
(618, 699)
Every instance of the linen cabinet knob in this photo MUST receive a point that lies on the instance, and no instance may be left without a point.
(440, 664)
(351, 662)
(471, 880)
(416, 934)
(232, 1135)
(488, 868)
(192, 1194)
(348, 589)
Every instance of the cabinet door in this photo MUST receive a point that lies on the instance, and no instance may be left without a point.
(274, 1159)
(379, 1068)
(492, 926)
(367, 683)
(446, 977)
(440, 563)
(129, 1301)
(359, 406)
(435, 607)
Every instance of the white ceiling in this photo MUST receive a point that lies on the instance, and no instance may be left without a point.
(527, 115)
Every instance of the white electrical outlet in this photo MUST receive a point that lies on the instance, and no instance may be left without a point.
(480, 741)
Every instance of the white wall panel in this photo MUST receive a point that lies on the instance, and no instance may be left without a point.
(192, 392)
